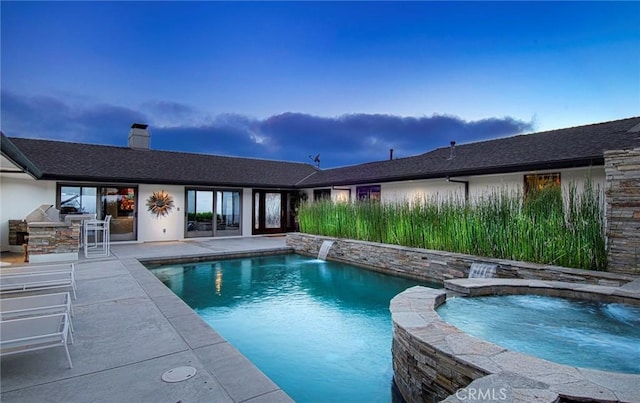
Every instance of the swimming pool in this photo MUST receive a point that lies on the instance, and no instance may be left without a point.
(321, 330)
(603, 336)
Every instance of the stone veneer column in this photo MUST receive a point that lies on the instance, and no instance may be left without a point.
(622, 168)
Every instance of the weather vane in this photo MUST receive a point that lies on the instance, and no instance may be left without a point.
(316, 160)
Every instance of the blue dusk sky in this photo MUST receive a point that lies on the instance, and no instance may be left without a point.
(289, 80)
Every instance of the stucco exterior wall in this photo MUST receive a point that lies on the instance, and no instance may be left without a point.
(479, 186)
(163, 228)
(419, 190)
(247, 211)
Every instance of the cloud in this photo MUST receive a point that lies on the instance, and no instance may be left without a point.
(343, 140)
(48, 117)
(168, 113)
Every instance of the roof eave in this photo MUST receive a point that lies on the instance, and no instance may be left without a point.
(13, 154)
(128, 180)
(545, 165)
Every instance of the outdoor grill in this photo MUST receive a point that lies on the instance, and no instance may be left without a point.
(44, 213)
(18, 234)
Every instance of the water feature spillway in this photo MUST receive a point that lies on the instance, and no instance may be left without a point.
(324, 249)
(482, 270)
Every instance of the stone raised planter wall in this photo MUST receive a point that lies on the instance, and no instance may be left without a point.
(438, 266)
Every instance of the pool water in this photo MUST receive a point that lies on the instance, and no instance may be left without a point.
(603, 336)
(320, 330)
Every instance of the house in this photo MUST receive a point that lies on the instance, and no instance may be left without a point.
(218, 196)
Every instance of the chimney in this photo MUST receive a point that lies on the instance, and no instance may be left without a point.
(391, 154)
(139, 136)
(453, 150)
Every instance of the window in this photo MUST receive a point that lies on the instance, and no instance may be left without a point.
(78, 199)
(535, 182)
(368, 192)
(321, 194)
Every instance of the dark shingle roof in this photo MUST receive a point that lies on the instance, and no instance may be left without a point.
(58, 160)
(554, 149)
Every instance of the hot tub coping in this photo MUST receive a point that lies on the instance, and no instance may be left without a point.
(447, 361)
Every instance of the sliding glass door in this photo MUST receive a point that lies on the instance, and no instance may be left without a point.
(213, 213)
(227, 213)
(120, 202)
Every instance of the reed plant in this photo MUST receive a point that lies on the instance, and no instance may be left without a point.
(546, 226)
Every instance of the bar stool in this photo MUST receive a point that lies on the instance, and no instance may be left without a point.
(99, 229)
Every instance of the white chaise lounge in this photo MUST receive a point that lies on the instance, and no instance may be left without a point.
(48, 268)
(35, 333)
(36, 305)
(12, 283)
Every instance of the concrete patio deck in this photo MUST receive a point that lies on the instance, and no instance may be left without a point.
(130, 329)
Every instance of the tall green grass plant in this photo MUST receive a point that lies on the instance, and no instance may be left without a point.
(545, 227)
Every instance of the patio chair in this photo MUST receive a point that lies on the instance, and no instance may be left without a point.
(36, 305)
(99, 229)
(35, 333)
(13, 283)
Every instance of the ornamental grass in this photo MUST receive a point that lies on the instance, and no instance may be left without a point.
(546, 226)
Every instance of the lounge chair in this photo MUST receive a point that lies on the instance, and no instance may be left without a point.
(49, 268)
(35, 333)
(36, 305)
(12, 283)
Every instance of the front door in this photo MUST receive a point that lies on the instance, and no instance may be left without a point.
(271, 212)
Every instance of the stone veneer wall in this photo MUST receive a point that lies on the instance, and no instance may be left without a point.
(54, 237)
(438, 266)
(623, 210)
(16, 226)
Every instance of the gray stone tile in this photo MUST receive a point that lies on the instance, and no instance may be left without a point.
(237, 375)
(277, 396)
(409, 319)
(463, 344)
(107, 335)
(624, 386)
(96, 290)
(139, 382)
(585, 390)
(97, 270)
(172, 306)
(196, 332)
(156, 289)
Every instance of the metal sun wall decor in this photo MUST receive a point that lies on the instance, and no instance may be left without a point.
(160, 203)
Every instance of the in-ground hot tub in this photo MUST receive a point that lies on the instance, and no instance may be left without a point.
(588, 334)
(433, 360)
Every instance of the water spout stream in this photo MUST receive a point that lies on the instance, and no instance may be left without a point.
(324, 249)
